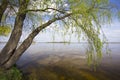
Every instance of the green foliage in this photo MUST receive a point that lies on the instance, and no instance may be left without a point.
(4, 30)
(11, 74)
(87, 18)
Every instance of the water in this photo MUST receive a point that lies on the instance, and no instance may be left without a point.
(59, 61)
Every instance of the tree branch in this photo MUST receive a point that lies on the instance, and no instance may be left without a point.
(27, 42)
(44, 10)
(3, 7)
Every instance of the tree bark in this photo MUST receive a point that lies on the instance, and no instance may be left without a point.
(12, 43)
(27, 42)
(3, 7)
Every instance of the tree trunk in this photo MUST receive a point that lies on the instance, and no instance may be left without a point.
(27, 42)
(3, 7)
(12, 43)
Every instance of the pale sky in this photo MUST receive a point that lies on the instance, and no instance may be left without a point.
(112, 33)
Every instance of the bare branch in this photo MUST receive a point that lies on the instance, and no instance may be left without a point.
(45, 10)
(11, 7)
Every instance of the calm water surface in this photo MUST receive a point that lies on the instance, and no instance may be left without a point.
(58, 61)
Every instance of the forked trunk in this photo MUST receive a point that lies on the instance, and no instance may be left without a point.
(12, 43)
(27, 42)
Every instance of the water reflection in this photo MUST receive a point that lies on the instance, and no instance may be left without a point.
(57, 61)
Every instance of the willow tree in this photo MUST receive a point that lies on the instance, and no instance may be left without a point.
(75, 16)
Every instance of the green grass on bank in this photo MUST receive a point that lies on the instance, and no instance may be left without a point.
(11, 74)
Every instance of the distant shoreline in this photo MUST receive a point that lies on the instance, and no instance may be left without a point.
(65, 42)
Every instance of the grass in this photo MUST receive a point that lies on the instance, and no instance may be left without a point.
(11, 74)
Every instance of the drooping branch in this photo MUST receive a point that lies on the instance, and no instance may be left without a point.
(27, 42)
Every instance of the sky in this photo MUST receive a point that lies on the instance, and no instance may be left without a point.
(116, 2)
(112, 32)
